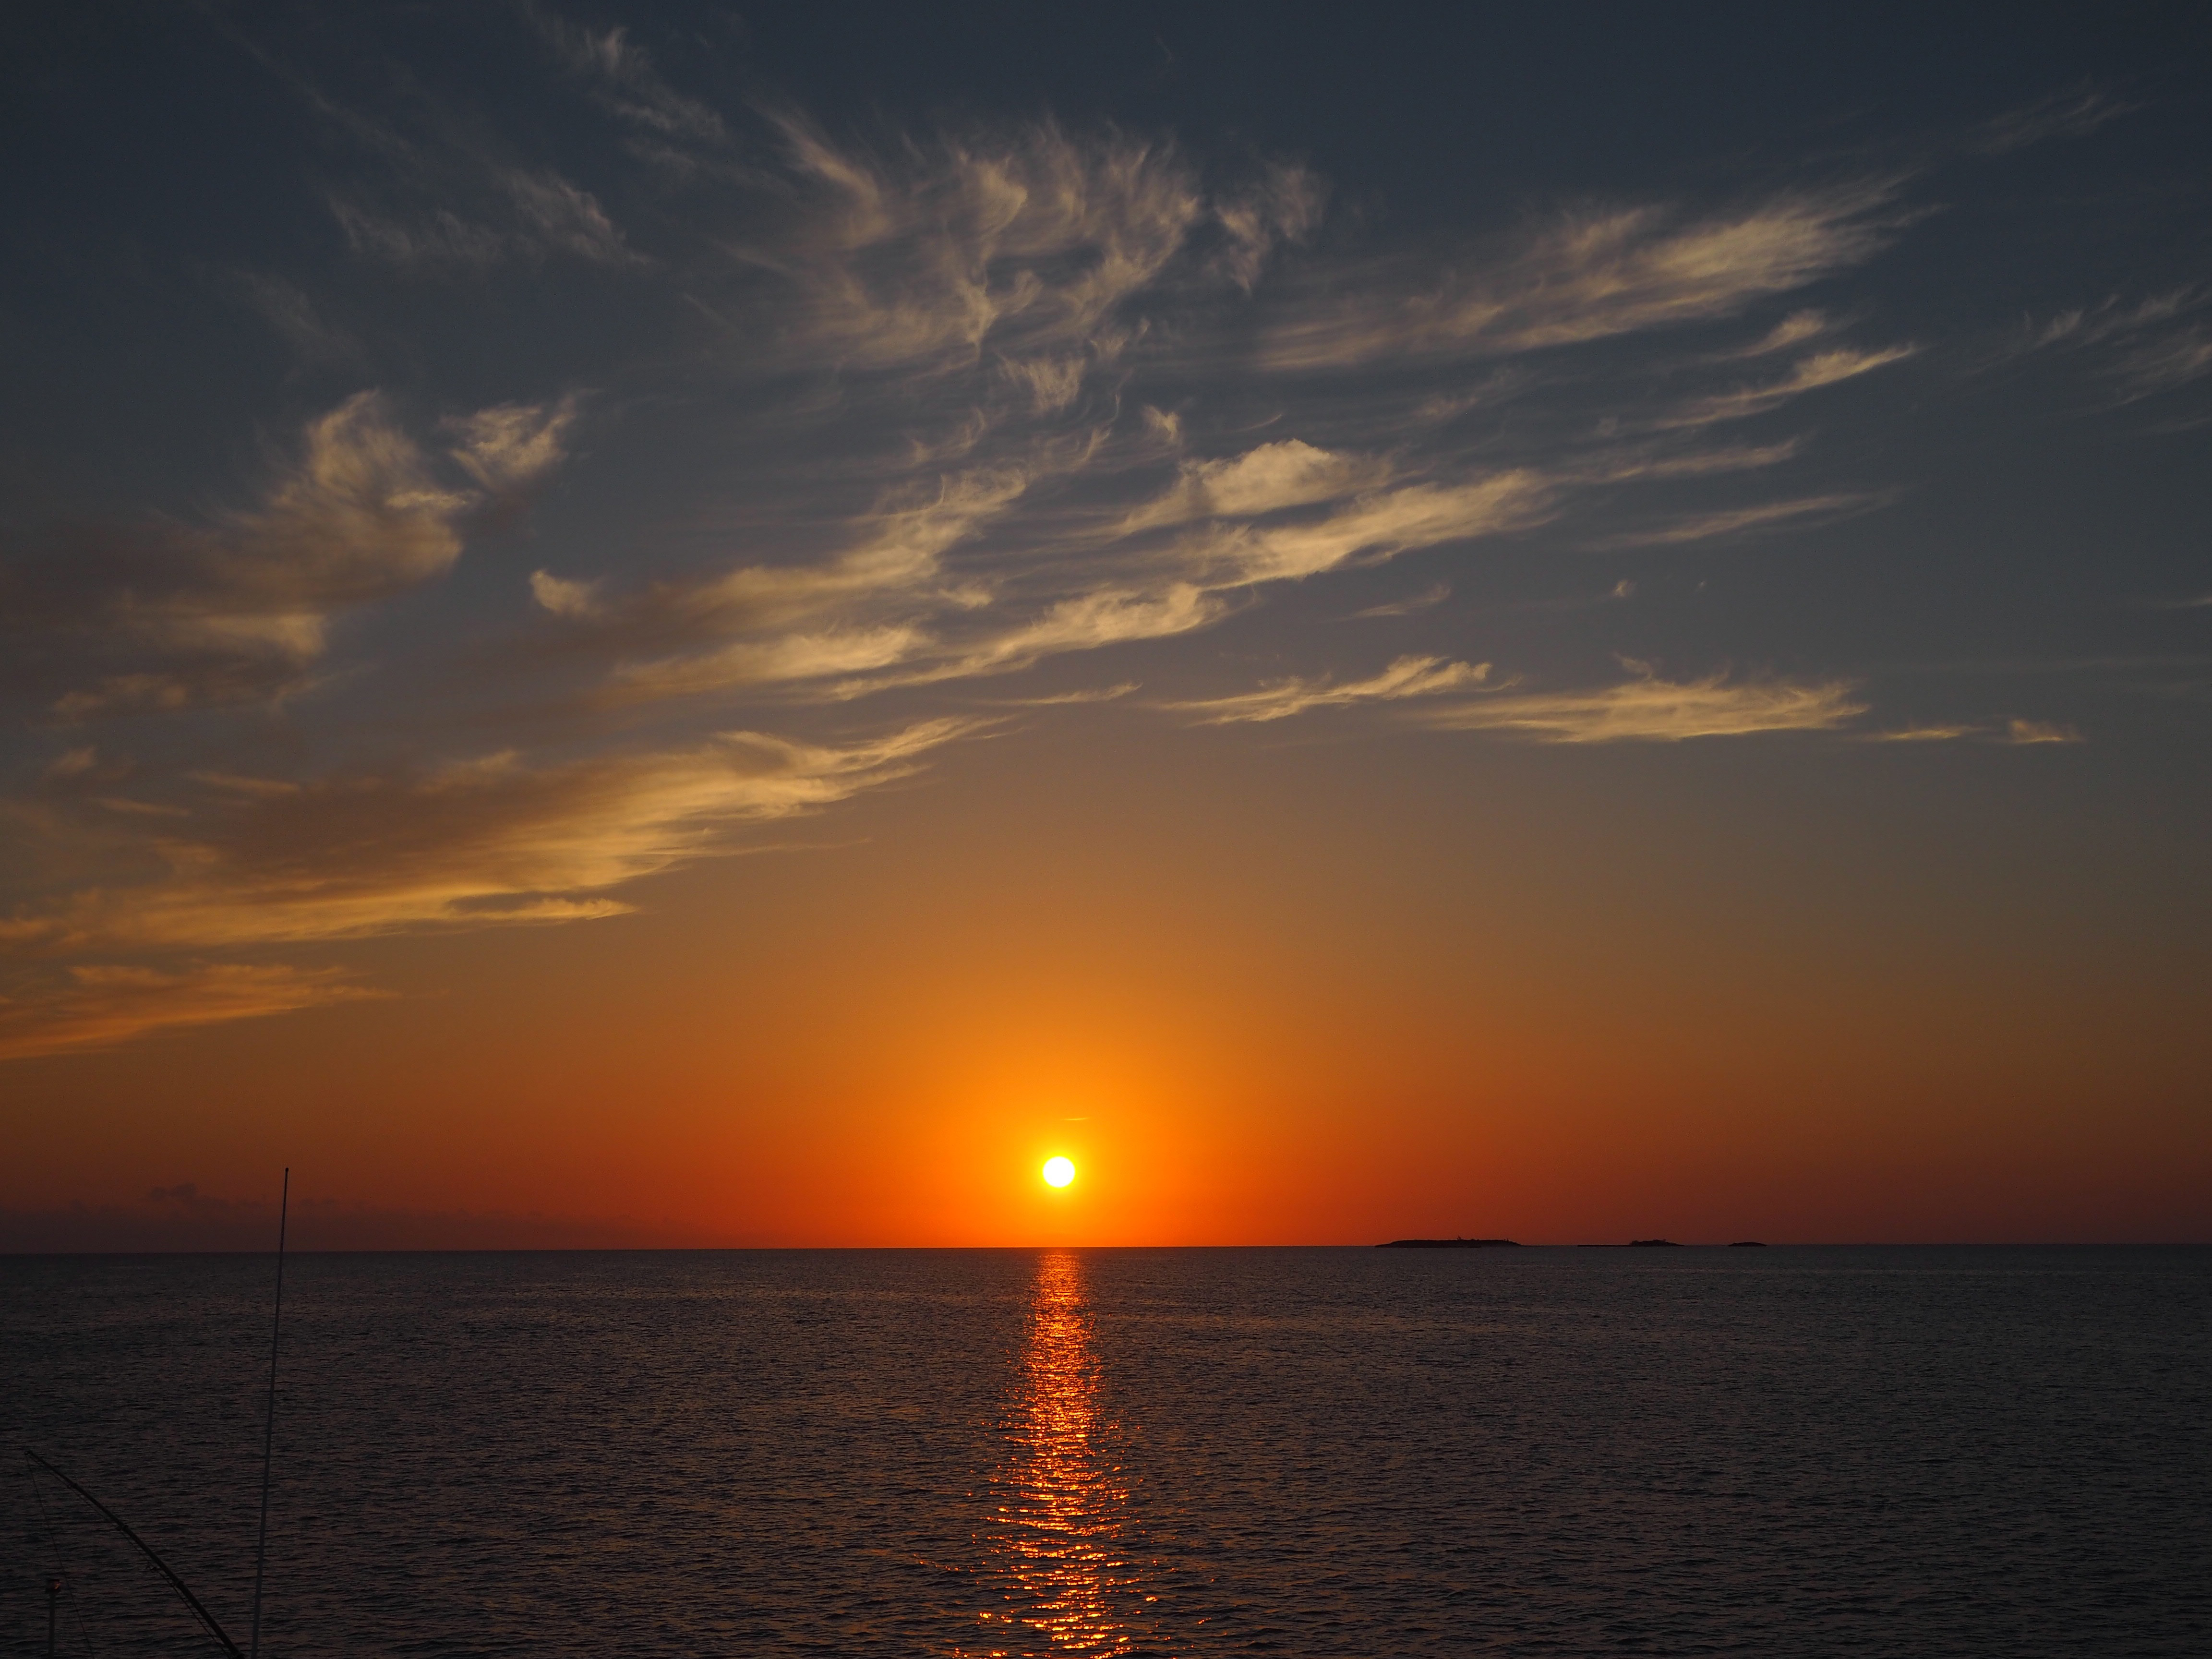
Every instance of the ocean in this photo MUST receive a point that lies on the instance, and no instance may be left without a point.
(1355, 1452)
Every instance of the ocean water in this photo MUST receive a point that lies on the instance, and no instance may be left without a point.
(1180, 1452)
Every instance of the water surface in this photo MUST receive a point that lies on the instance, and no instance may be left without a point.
(1186, 1452)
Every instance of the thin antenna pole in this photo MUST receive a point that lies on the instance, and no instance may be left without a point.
(268, 1432)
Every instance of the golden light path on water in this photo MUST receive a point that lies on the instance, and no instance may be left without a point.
(1060, 1542)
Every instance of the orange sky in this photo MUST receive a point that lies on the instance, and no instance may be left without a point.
(1303, 994)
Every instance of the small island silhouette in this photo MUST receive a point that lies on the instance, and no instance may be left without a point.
(1448, 1243)
(1674, 1244)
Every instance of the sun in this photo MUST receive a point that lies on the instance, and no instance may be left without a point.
(1058, 1171)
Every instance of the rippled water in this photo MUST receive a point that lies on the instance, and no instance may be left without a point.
(1343, 1452)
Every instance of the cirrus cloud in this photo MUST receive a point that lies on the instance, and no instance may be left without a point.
(239, 606)
(97, 1007)
(959, 403)
(1646, 708)
(1408, 677)
(489, 841)
(1594, 275)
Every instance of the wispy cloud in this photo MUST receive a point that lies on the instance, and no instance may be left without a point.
(869, 606)
(1745, 520)
(1599, 274)
(513, 446)
(2113, 319)
(1031, 241)
(519, 215)
(2157, 344)
(1060, 699)
(1385, 523)
(1792, 330)
(783, 660)
(1823, 369)
(1649, 709)
(1656, 463)
(1053, 383)
(238, 607)
(898, 550)
(1090, 621)
(2015, 733)
(625, 82)
(294, 317)
(98, 1007)
(1287, 473)
(441, 237)
(2073, 114)
(1427, 600)
(2170, 360)
(553, 216)
(1921, 734)
(1285, 206)
(481, 843)
(441, 196)
(1408, 677)
(894, 610)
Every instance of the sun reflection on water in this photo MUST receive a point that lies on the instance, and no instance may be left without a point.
(1060, 1545)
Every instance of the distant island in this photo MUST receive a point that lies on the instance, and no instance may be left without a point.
(1449, 1245)
(1668, 1243)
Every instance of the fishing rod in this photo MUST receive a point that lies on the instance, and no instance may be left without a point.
(207, 1619)
(268, 1451)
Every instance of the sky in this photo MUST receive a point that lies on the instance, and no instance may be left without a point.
(662, 624)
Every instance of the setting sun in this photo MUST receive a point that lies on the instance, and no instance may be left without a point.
(1058, 1171)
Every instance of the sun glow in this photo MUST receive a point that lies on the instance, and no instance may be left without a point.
(1058, 1171)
